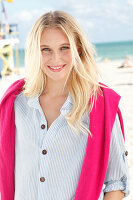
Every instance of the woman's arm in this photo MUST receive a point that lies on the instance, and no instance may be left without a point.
(117, 176)
(114, 195)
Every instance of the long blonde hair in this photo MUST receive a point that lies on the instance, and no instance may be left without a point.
(83, 85)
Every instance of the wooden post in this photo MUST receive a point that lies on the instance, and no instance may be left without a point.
(17, 59)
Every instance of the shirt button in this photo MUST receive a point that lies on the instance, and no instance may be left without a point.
(42, 179)
(42, 126)
(126, 153)
(44, 152)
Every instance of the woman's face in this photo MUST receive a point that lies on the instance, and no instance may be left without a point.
(56, 54)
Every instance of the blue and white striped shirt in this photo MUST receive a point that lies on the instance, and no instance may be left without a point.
(48, 162)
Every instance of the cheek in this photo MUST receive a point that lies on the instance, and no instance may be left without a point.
(68, 57)
(45, 58)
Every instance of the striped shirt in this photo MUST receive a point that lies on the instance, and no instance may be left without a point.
(48, 162)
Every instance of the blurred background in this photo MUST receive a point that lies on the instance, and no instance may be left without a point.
(107, 24)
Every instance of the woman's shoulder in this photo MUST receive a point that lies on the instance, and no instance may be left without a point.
(109, 92)
(107, 98)
(13, 90)
(20, 98)
(21, 104)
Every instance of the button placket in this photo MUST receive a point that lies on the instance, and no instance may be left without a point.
(48, 140)
(43, 124)
(42, 161)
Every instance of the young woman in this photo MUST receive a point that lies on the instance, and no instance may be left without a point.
(61, 131)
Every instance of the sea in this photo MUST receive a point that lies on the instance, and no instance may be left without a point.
(114, 51)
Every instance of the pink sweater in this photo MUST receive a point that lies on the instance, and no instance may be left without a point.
(97, 151)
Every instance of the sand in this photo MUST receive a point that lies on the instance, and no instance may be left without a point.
(121, 80)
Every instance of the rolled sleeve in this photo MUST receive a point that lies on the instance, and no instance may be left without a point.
(117, 185)
(117, 175)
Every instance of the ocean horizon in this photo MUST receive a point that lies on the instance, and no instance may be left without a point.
(114, 51)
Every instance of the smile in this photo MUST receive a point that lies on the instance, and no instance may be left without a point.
(57, 68)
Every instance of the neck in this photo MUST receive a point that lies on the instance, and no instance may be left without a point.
(56, 88)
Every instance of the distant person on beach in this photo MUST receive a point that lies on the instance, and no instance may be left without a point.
(61, 131)
(126, 63)
(106, 60)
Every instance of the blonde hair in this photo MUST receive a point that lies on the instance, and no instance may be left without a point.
(83, 84)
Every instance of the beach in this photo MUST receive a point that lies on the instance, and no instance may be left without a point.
(119, 79)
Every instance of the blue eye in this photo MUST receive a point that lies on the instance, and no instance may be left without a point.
(45, 49)
(64, 48)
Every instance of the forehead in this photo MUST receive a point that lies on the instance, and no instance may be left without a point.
(53, 36)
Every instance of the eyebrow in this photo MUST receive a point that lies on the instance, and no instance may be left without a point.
(44, 45)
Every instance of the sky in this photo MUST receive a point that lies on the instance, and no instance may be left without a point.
(101, 20)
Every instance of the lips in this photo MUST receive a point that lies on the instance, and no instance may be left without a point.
(56, 68)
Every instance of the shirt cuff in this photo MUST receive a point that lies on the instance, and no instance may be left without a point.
(117, 185)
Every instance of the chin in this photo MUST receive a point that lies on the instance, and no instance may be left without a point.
(57, 78)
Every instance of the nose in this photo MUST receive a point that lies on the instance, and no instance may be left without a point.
(55, 56)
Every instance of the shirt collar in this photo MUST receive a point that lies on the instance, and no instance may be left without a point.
(34, 102)
(65, 109)
(67, 106)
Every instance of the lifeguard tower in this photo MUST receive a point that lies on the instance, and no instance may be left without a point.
(9, 39)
